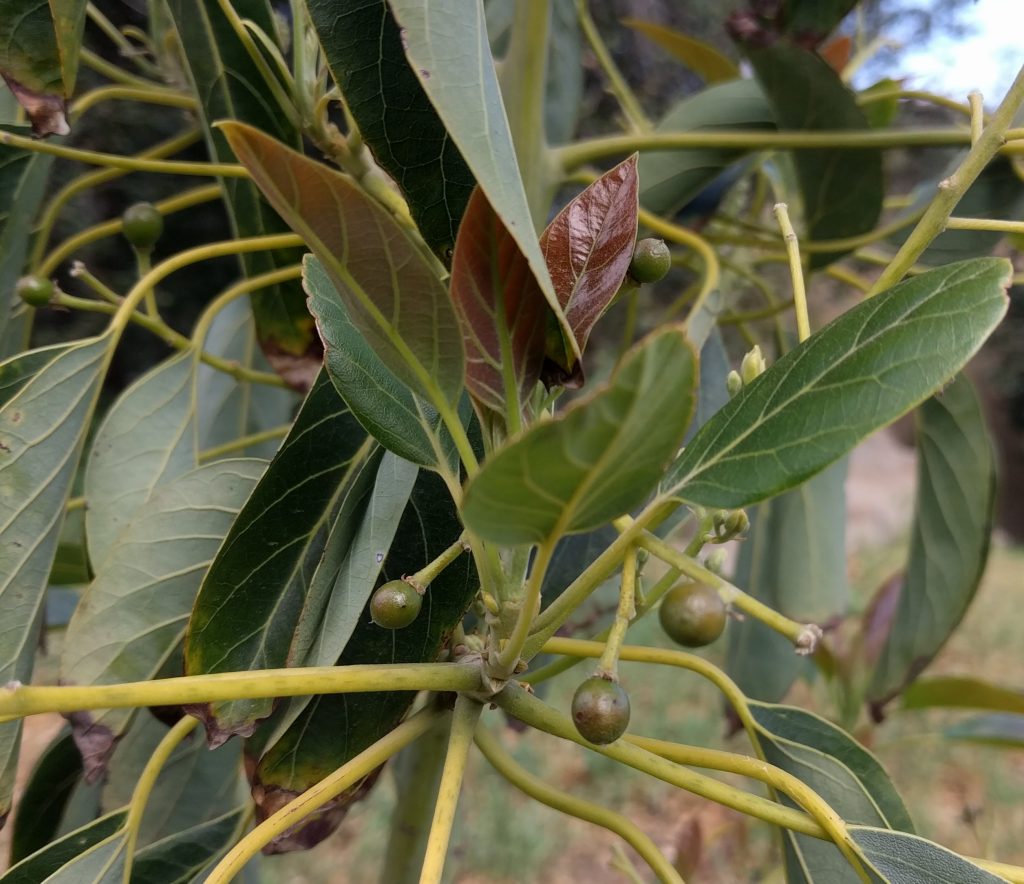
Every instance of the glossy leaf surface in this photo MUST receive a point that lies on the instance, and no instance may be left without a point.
(702, 58)
(589, 244)
(58, 854)
(907, 859)
(501, 310)
(255, 587)
(132, 617)
(854, 376)
(598, 459)
(956, 485)
(181, 858)
(391, 292)
(363, 46)
(450, 54)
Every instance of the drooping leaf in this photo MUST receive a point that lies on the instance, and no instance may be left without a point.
(39, 44)
(387, 409)
(909, 859)
(228, 85)
(390, 290)
(598, 459)
(146, 439)
(947, 691)
(854, 376)
(840, 770)
(47, 862)
(451, 57)
(334, 728)
(671, 178)
(181, 858)
(996, 729)
(589, 244)
(38, 814)
(132, 617)
(251, 596)
(363, 46)
(501, 310)
(841, 190)
(703, 59)
(956, 485)
(794, 560)
(41, 431)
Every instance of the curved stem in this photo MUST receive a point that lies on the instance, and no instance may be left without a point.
(151, 95)
(298, 809)
(561, 801)
(112, 72)
(796, 271)
(624, 614)
(120, 41)
(243, 442)
(685, 237)
(510, 653)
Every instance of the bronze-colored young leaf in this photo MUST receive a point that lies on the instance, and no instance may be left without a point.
(598, 459)
(702, 58)
(501, 310)
(588, 247)
(390, 290)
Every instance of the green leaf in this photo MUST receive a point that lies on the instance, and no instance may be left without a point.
(996, 729)
(589, 244)
(671, 178)
(794, 560)
(228, 85)
(501, 311)
(41, 432)
(946, 691)
(703, 59)
(56, 855)
(39, 45)
(251, 597)
(333, 729)
(103, 863)
(563, 92)
(840, 770)
(956, 489)
(363, 46)
(182, 857)
(598, 459)
(857, 374)
(908, 859)
(146, 440)
(807, 22)
(882, 112)
(390, 290)
(17, 372)
(387, 409)
(452, 58)
(132, 617)
(38, 815)
(842, 190)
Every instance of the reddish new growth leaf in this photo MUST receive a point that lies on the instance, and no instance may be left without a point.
(588, 247)
(500, 306)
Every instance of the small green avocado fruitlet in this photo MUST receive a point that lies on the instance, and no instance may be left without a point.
(600, 710)
(692, 614)
(395, 605)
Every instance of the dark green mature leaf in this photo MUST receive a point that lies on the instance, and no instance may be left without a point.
(598, 459)
(589, 244)
(180, 858)
(842, 189)
(363, 46)
(840, 770)
(332, 729)
(39, 45)
(16, 373)
(387, 409)
(563, 93)
(806, 22)
(670, 179)
(908, 859)
(501, 311)
(452, 58)
(946, 691)
(23, 176)
(228, 85)
(132, 618)
(859, 373)
(703, 59)
(44, 797)
(145, 440)
(55, 856)
(390, 290)
(41, 432)
(794, 559)
(956, 486)
(250, 600)
(996, 729)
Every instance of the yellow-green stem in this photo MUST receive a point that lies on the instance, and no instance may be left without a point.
(977, 106)
(609, 663)
(428, 574)
(243, 442)
(995, 224)
(151, 95)
(530, 605)
(796, 271)
(120, 41)
(112, 72)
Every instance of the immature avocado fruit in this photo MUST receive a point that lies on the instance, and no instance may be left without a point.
(34, 290)
(692, 614)
(395, 605)
(651, 260)
(143, 225)
(600, 710)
